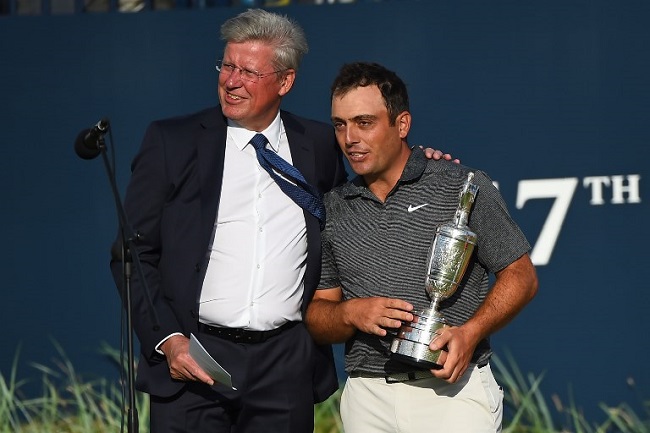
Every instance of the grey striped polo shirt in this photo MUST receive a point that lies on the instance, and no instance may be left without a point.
(372, 248)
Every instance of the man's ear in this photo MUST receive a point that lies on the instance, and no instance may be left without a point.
(404, 124)
(286, 83)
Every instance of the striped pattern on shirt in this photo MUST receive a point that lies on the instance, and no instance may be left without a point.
(372, 248)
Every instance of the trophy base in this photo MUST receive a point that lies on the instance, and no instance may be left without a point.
(418, 363)
(411, 346)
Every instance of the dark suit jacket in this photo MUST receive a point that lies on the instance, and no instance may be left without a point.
(172, 202)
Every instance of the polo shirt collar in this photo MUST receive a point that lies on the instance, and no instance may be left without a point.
(415, 166)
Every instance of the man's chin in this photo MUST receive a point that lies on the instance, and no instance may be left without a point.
(359, 169)
(232, 113)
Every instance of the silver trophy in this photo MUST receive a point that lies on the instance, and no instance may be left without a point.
(449, 254)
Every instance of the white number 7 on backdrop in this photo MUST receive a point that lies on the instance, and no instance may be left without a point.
(560, 189)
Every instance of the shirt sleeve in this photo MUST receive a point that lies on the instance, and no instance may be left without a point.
(500, 240)
(329, 276)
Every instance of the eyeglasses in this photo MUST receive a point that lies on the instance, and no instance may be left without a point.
(246, 74)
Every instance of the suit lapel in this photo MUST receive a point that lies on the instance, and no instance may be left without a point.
(301, 146)
(210, 154)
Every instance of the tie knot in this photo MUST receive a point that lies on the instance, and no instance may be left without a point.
(259, 141)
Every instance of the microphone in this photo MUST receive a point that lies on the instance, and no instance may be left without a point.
(87, 143)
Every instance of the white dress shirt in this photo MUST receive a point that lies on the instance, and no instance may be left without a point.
(254, 278)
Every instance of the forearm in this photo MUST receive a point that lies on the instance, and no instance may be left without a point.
(515, 286)
(332, 320)
(326, 322)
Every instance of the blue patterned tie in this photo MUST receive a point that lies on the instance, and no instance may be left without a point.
(305, 195)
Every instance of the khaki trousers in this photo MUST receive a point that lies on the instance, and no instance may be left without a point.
(474, 404)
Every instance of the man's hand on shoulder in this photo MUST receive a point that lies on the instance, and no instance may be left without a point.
(437, 154)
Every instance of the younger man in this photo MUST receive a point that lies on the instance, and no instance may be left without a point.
(375, 244)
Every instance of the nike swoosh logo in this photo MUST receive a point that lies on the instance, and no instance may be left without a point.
(414, 208)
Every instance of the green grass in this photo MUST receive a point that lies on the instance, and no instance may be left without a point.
(70, 404)
(533, 413)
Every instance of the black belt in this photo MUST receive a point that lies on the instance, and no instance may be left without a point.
(395, 377)
(240, 335)
(401, 377)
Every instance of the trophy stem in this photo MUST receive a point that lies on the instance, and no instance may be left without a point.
(435, 303)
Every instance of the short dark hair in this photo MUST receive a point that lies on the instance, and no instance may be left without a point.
(362, 74)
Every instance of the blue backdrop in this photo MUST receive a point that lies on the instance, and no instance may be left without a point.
(550, 98)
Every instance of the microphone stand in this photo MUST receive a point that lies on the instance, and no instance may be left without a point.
(131, 409)
(129, 257)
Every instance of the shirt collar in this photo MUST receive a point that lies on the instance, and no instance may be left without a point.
(415, 166)
(242, 136)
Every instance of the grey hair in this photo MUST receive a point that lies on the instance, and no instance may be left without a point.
(283, 33)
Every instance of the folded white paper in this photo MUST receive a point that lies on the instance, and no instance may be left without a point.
(208, 363)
